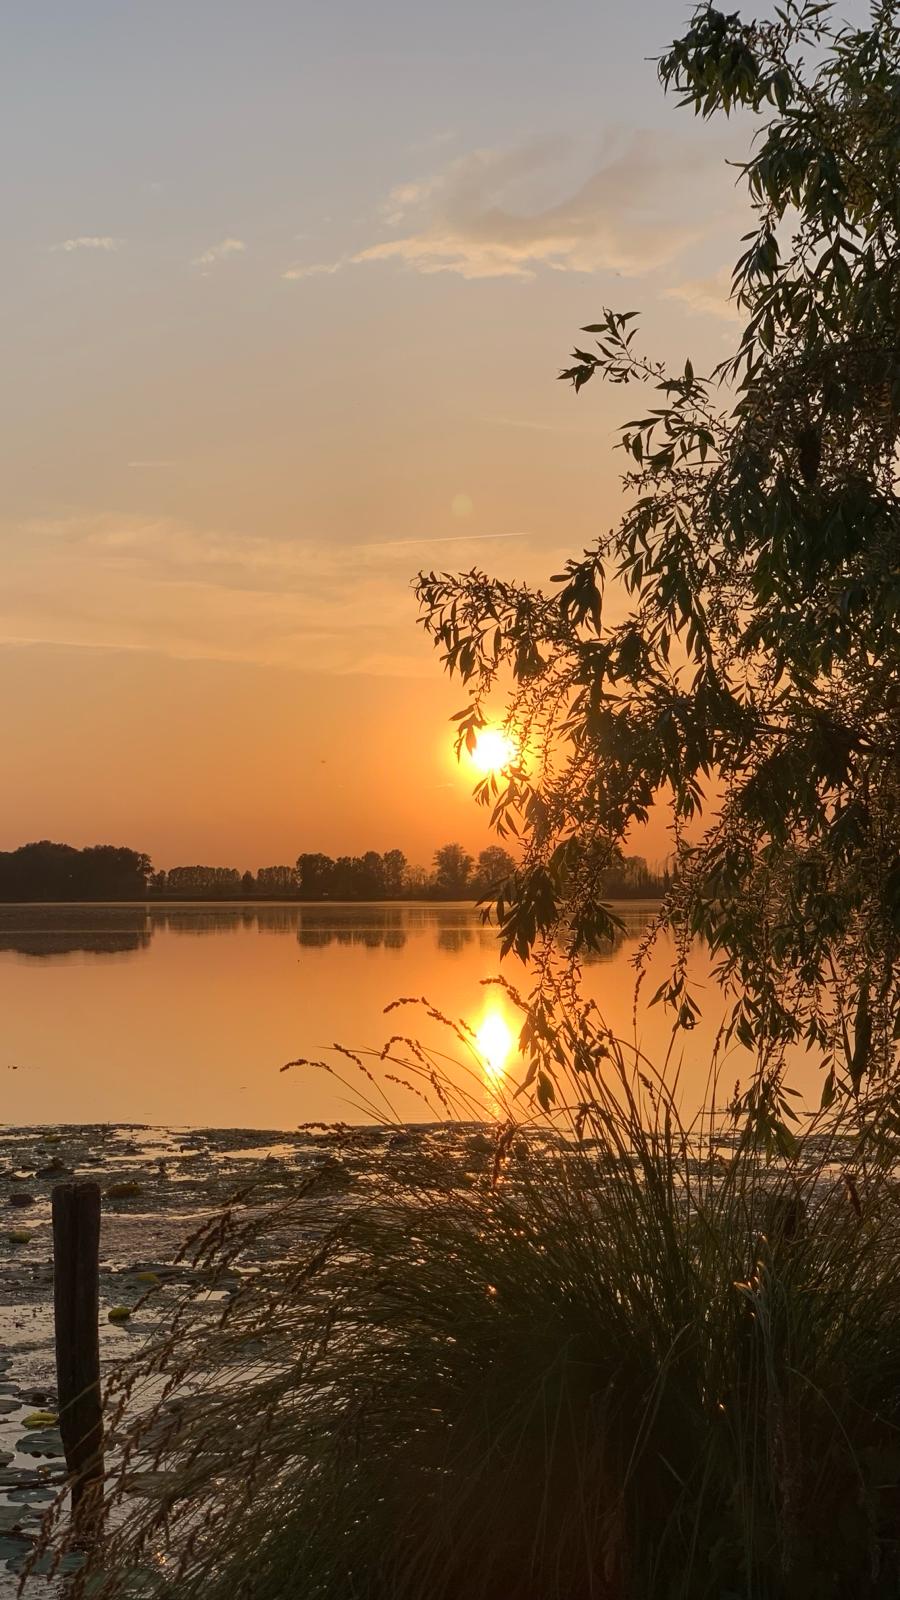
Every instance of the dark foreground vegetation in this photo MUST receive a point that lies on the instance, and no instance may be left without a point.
(47, 871)
(647, 1364)
(630, 1359)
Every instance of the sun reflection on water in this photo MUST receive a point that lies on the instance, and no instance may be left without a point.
(495, 1042)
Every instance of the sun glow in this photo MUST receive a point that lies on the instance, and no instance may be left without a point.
(495, 1042)
(493, 750)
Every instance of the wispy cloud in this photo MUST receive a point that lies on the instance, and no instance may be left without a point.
(130, 583)
(708, 297)
(89, 241)
(427, 539)
(317, 270)
(512, 213)
(219, 252)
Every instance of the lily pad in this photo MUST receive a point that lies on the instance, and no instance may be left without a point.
(31, 1494)
(119, 1314)
(41, 1442)
(46, 1564)
(54, 1169)
(126, 1190)
(13, 1546)
(11, 1517)
(40, 1419)
(18, 1236)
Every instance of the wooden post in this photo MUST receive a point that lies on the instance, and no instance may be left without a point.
(76, 1305)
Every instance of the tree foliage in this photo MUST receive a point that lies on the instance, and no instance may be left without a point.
(48, 871)
(452, 869)
(754, 685)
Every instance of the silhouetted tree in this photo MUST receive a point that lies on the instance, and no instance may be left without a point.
(416, 882)
(493, 867)
(315, 876)
(452, 870)
(394, 869)
(759, 550)
(48, 871)
(217, 882)
(276, 880)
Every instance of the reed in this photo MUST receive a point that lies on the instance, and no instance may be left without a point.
(653, 1361)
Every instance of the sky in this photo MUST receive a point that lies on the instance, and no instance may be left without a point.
(285, 290)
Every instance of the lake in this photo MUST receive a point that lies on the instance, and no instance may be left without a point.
(184, 1014)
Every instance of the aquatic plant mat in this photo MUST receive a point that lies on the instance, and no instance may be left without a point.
(157, 1185)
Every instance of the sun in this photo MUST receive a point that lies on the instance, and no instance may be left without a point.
(493, 750)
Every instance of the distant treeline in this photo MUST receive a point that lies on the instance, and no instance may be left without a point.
(46, 871)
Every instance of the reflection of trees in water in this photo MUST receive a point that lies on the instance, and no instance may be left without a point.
(117, 929)
(389, 927)
(64, 942)
(60, 930)
(635, 920)
(192, 920)
(454, 939)
(372, 927)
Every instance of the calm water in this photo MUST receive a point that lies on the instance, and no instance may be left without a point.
(159, 1014)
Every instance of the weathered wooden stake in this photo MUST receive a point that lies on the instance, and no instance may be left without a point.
(76, 1304)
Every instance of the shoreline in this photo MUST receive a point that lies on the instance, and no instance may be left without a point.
(294, 900)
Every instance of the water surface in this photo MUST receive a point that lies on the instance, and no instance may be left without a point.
(183, 1015)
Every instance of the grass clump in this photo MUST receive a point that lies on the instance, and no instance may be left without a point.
(649, 1364)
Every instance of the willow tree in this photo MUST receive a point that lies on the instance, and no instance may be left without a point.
(753, 686)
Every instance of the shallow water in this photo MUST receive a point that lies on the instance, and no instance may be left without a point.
(178, 1180)
(158, 1014)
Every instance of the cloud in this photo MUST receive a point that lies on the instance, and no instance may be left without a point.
(159, 585)
(219, 252)
(405, 196)
(512, 213)
(90, 241)
(710, 297)
(318, 270)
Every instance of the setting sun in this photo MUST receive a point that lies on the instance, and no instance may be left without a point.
(493, 750)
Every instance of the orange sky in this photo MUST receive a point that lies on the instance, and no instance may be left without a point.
(284, 301)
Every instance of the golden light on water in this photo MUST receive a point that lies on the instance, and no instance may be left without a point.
(493, 750)
(495, 1042)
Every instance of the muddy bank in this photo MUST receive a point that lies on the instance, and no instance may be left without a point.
(158, 1186)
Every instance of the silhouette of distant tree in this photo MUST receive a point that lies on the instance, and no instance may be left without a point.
(367, 877)
(631, 877)
(493, 867)
(276, 880)
(314, 876)
(452, 869)
(48, 871)
(395, 870)
(213, 881)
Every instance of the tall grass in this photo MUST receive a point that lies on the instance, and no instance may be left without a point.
(648, 1363)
